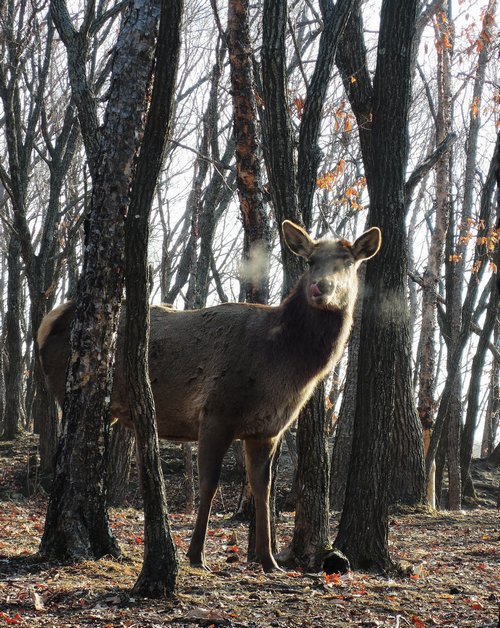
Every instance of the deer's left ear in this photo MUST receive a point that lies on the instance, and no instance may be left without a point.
(367, 245)
(297, 239)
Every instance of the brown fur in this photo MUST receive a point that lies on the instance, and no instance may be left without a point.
(236, 370)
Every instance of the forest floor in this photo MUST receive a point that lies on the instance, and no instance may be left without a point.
(452, 576)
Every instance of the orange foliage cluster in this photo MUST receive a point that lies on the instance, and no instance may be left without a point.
(444, 38)
(475, 230)
(329, 179)
(343, 118)
(298, 104)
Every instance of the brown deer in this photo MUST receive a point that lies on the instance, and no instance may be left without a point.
(236, 371)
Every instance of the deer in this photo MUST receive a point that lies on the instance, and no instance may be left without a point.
(236, 370)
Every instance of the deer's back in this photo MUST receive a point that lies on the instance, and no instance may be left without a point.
(223, 363)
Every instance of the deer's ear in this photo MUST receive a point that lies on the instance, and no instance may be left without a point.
(298, 241)
(368, 244)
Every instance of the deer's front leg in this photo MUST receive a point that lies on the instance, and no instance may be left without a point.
(259, 456)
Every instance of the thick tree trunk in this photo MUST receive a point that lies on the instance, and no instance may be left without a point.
(76, 524)
(369, 106)
(384, 363)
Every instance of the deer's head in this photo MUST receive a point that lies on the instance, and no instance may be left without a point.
(331, 276)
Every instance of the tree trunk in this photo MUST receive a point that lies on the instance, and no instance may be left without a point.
(342, 445)
(13, 383)
(121, 450)
(311, 530)
(256, 247)
(384, 363)
(159, 570)
(427, 371)
(467, 440)
(76, 524)
(492, 417)
(311, 538)
(277, 132)
(254, 271)
(309, 154)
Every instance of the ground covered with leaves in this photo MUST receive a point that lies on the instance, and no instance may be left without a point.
(451, 565)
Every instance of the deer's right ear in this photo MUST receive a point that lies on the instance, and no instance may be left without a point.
(298, 240)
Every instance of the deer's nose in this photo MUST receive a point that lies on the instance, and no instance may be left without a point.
(325, 286)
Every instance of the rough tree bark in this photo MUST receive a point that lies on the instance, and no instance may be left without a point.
(121, 450)
(384, 366)
(311, 539)
(256, 246)
(254, 271)
(277, 132)
(342, 445)
(370, 108)
(76, 524)
(159, 570)
(13, 386)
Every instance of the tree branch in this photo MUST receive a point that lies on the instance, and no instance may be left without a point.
(425, 166)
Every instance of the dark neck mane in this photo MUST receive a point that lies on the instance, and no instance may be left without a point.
(309, 333)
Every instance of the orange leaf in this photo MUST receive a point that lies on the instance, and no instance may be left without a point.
(417, 621)
(332, 578)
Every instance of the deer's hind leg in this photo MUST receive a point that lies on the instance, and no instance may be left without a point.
(259, 456)
(212, 446)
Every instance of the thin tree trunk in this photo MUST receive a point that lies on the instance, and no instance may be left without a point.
(493, 410)
(159, 570)
(311, 539)
(467, 440)
(427, 371)
(256, 247)
(254, 273)
(13, 383)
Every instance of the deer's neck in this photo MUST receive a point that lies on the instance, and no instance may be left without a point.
(314, 336)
